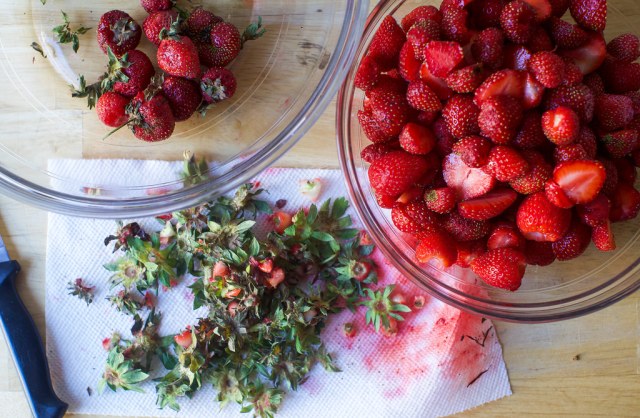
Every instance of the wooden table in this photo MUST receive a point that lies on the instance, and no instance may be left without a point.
(588, 366)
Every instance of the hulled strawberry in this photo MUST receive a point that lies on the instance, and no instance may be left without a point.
(118, 31)
(156, 22)
(539, 253)
(395, 172)
(390, 109)
(590, 56)
(178, 56)
(386, 43)
(421, 97)
(518, 21)
(602, 237)
(578, 97)
(561, 125)
(567, 35)
(503, 268)
(436, 245)
(218, 84)
(150, 117)
(534, 180)
(184, 96)
(621, 143)
(367, 74)
(625, 203)
(111, 109)
(461, 116)
(467, 79)
(504, 82)
(573, 243)
(539, 220)
(590, 14)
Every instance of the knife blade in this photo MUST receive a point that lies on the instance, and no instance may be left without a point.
(25, 343)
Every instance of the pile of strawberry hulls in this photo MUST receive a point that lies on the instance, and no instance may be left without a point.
(131, 94)
(503, 135)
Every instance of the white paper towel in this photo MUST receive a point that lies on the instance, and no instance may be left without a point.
(426, 370)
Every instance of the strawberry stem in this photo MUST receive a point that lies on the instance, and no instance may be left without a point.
(253, 31)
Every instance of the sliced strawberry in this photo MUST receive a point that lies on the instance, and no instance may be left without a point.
(561, 125)
(438, 85)
(505, 235)
(421, 34)
(556, 195)
(541, 8)
(539, 253)
(516, 57)
(533, 92)
(534, 181)
(469, 251)
(621, 143)
(487, 206)
(625, 203)
(506, 164)
(408, 64)
(468, 182)
(461, 116)
(503, 268)
(590, 56)
(474, 150)
(595, 212)
(487, 47)
(386, 43)
(441, 200)
(504, 82)
(499, 119)
(436, 245)
(590, 14)
(420, 13)
(442, 57)
(463, 229)
(567, 35)
(602, 237)
(573, 243)
(625, 48)
(539, 220)
(581, 181)
(421, 97)
(395, 172)
(417, 139)
(467, 79)
(372, 152)
(578, 97)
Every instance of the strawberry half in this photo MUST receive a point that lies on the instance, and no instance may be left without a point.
(442, 57)
(438, 85)
(590, 56)
(487, 206)
(602, 237)
(505, 235)
(420, 13)
(503, 268)
(395, 172)
(581, 181)
(539, 220)
(561, 125)
(436, 245)
(505, 82)
(468, 182)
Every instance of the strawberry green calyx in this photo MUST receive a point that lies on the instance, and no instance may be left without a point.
(123, 30)
(65, 35)
(92, 92)
(114, 70)
(253, 31)
(194, 170)
(175, 30)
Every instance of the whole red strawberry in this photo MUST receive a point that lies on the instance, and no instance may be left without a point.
(487, 47)
(225, 43)
(151, 118)
(111, 109)
(506, 163)
(436, 245)
(178, 56)
(502, 268)
(518, 21)
(590, 14)
(386, 43)
(567, 35)
(613, 111)
(561, 125)
(199, 23)
(548, 68)
(156, 22)
(500, 118)
(118, 31)
(151, 6)
(390, 109)
(129, 74)
(184, 96)
(420, 13)
(218, 84)
(539, 220)
(625, 48)
(573, 243)
(474, 150)
(461, 116)
(395, 172)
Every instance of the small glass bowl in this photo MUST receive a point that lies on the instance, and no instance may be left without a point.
(563, 290)
(286, 79)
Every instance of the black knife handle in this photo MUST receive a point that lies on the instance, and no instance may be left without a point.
(26, 347)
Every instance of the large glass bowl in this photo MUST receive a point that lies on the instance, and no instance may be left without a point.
(560, 291)
(285, 81)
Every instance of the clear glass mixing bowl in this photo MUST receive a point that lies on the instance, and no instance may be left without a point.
(285, 81)
(560, 291)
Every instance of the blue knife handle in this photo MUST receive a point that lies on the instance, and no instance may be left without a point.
(26, 347)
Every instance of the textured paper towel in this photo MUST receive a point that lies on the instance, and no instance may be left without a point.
(428, 369)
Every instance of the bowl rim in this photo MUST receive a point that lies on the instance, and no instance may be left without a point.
(605, 294)
(14, 186)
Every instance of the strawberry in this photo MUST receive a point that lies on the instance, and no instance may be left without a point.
(468, 182)
(395, 172)
(611, 176)
(506, 164)
(621, 77)
(220, 270)
(445, 140)
(626, 170)
(184, 339)
(499, 119)
(587, 139)
(421, 97)
(620, 144)
(178, 56)
(590, 14)
(487, 206)
(531, 135)
(541, 8)
(540, 41)
(111, 109)
(624, 48)
(225, 43)
(539, 253)
(156, 22)
(570, 152)
(518, 21)
(413, 217)
(548, 68)
(390, 109)
(556, 195)
(408, 64)
(505, 234)
(372, 152)
(602, 237)
(151, 118)
(417, 139)
(436, 245)
(371, 128)
(533, 92)
(441, 200)
(276, 277)
(595, 83)
(573, 243)
(595, 212)
(473, 150)
(635, 99)
(567, 35)
(217, 84)
(590, 56)
(561, 125)
(539, 220)
(129, 74)
(467, 79)
(281, 221)
(516, 57)
(613, 111)
(463, 229)
(581, 181)
(385, 201)
(505, 82)
(413, 194)
(184, 96)
(469, 251)
(421, 34)
(486, 13)
(427, 118)
(572, 73)
(625, 203)
(534, 181)
(438, 85)
(454, 25)
(367, 74)
(151, 6)
(118, 31)
(199, 23)
(420, 13)
(442, 57)
(578, 97)
(487, 47)
(386, 43)
(503, 268)
(461, 116)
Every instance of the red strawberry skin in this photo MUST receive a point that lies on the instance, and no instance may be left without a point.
(199, 24)
(417, 139)
(561, 125)
(461, 116)
(224, 46)
(111, 109)
(436, 245)
(625, 48)
(625, 203)
(539, 220)
(155, 22)
(395, 172)
(473, 150)
(463, 229)
(573, 243)
(391, 111)
(119, 41)
(151, 6)
(487, 206)
(487, 47)
(386, 43)
(372, 152)
(534, 181)
(613, 111)
(517, 21)
(578, 97)
(184, 96)
(499, 118)
(179, 57)
(503, 268)
(506, 164)
(590, 14)
(139, 72)
(539, 253)
(157, 117)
